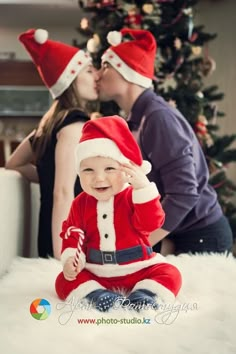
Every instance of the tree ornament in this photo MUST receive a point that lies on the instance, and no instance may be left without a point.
(208, 66)
(202, 131)
(189, 12)
(105, 3)
(196, 50)
(84, 23)
(178, 43)
(148, 8)
(193, 37)
(93, 44)
(199, 94)
(133, 19)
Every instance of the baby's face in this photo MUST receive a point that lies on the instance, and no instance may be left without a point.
(101, 177)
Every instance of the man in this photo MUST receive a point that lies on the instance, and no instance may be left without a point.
(194, 219)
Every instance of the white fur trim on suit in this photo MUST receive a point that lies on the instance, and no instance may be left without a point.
(70, 252)
(128, 73)
(118, 270)
(77, 63)
(106, 225)
(145, 194)
(84, 289)
(98, 147)
(164, 294)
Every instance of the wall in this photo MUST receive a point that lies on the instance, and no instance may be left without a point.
(9, 41)
(220, 17)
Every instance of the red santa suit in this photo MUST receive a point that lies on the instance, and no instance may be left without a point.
(115, 252)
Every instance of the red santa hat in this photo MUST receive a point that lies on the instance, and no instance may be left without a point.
(109, 137)
(133, 59)
(58, 64)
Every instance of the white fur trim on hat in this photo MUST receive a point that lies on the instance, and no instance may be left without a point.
(77, 63)
(128, 73)
(98, 147)
(40, 36)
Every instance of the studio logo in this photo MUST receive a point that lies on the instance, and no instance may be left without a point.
(40, 309)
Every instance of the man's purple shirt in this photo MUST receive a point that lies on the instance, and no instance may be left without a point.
(179, 167)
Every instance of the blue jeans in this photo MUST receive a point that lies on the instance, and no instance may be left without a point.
(216, 237)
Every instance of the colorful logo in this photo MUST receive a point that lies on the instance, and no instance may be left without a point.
(40, 309)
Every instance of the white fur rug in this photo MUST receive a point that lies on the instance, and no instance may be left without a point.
(202, 320)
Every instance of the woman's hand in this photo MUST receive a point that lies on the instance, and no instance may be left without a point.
(135, 175)
(69, 270)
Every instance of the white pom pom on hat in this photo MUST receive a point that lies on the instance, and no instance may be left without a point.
(146, 167)
(114, 37)
(41, 36)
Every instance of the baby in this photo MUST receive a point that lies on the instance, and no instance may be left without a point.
(105, 237)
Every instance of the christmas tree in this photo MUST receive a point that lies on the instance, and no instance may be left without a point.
(182, 64)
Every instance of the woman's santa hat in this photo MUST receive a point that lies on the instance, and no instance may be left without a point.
(58, 64)
(109, 137)
(133, 59)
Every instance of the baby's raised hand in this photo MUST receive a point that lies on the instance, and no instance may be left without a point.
(69, 270)
(135, 175)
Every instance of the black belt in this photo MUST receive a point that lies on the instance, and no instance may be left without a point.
(117, 257)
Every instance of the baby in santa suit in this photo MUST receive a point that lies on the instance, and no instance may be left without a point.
(105, 245)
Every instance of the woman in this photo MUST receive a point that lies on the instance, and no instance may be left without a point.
(46, 156)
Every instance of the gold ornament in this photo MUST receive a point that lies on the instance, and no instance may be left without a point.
(84, 23)
(177, 43)
(148, 8)
(196, 50)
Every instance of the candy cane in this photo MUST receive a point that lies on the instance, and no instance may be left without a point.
(80, 242)
(79, 245)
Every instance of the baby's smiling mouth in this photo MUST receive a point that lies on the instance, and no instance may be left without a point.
(101, 189)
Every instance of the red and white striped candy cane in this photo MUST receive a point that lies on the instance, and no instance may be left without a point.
(80, 242)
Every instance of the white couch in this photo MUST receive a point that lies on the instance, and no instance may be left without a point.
(19, 209)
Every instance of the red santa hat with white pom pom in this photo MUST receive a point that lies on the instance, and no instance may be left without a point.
(133, 59)
(109, 137)
(58, 64)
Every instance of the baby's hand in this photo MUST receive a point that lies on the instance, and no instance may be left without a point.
(135, 175)
(69, 270)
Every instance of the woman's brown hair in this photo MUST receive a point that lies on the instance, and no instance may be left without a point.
(67, 102)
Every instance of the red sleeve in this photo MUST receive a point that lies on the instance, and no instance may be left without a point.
(148, 216)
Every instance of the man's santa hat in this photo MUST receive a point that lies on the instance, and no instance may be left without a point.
(109, 137)
(58, 64)
(133, 59)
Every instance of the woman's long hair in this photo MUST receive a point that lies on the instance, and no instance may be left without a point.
(67, 102)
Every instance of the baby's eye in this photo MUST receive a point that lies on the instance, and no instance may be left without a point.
(87, 170)
(110, 168)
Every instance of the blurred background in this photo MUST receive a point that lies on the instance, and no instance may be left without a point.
(195, 67)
